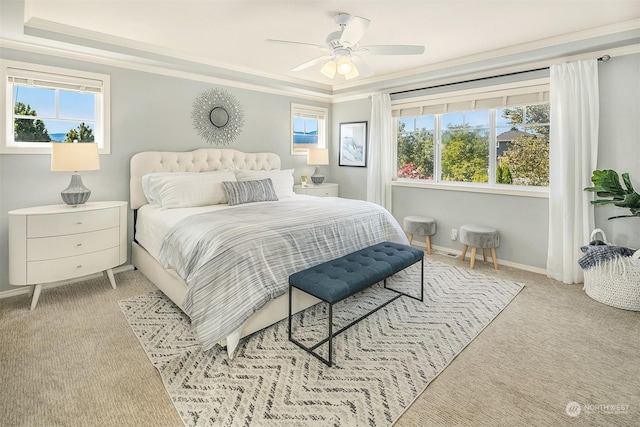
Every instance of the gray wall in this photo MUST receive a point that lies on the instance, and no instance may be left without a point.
(619, 144)
(148, 112)
(353, 180)
(153, 112)
(523, 221)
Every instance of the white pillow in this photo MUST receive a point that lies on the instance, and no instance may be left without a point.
(150, 182)
(185, 190)
(282, 179)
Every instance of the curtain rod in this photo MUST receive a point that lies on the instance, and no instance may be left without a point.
(603, 58)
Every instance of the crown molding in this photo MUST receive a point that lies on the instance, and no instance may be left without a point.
(91, 39)
(120, 61)
(517, 58)
(493, 55)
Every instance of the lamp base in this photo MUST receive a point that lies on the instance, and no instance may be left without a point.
(76, 193)
(317, 177)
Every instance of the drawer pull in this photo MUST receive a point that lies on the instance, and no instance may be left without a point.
(79, 244)
(79, 222)
(79, 266)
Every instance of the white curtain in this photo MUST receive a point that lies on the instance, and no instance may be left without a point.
(380, 161)
(573, 150)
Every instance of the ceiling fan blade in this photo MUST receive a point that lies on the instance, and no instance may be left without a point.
(392, 49)
(354, 31)
(311, 63)
(287, 42)
(363, 67)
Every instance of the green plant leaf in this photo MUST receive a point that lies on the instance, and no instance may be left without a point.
(607, 184)
(627, 182)
(608, 180)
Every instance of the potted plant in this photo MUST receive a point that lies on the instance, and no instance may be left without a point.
(606, 183)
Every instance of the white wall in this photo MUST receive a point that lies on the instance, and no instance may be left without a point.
(148, 112)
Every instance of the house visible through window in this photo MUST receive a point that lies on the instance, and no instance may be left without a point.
(504, 144)
(308, 128)
(49, 105)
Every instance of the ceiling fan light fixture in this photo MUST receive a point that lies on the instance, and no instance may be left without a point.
(352, 74)
(329, 69)
(344, 65)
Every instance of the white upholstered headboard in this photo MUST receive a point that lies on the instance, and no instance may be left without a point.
(202, 160)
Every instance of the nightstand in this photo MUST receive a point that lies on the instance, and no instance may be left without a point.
(326, 189)
(62, 242)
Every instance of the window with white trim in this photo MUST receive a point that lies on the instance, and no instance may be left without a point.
(308, 128)
(496, 137)
(45, 105)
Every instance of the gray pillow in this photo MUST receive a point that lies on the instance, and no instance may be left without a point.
(239, 192)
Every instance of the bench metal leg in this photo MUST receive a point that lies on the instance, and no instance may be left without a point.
(421, 299)
(290, 304)
(331, 334)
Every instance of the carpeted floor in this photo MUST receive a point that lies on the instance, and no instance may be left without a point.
(74, 362)
(381, 364)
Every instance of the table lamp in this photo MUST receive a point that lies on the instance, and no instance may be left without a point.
(74, 157)
(317, 157)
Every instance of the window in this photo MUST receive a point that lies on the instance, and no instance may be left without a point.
(308, 128)
(451, 139)
(44, 105)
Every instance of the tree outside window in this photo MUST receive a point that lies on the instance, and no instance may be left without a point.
(26, 129)
(51, 105)
(521, 146)
(35, 130)
(525, 159)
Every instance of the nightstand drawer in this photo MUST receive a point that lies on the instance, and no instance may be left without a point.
(43, 248)
(72, 222)
(323, 192)
(70, 267)
(328, 189)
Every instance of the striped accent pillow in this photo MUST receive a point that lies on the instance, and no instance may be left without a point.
(239, 192)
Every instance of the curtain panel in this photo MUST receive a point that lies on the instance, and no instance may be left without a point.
(573, 150)
(380, 171)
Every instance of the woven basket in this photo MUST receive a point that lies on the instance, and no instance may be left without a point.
(614, 282)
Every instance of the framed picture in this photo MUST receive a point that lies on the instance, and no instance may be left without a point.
(353, 144)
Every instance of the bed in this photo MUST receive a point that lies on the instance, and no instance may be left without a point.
(225, 260)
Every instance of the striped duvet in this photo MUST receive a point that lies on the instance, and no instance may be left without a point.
(235, 260)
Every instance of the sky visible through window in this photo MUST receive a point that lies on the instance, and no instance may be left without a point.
(305, 131)
(73, 108)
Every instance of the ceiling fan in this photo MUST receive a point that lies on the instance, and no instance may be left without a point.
(344, 51)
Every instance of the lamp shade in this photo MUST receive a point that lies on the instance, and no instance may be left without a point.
(318, 156)
(329, 69)
(74, 157)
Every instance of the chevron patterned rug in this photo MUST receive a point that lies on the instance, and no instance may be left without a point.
(381, 364)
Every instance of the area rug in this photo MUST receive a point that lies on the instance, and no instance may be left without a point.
(382, 364)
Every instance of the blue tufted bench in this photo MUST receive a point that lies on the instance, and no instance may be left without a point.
(335, 280)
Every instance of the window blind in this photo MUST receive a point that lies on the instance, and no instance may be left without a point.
(53, 81)
(470, 101)
(308, 114)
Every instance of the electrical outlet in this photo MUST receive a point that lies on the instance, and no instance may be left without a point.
(454, 234)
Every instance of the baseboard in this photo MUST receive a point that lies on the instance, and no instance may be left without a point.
(26, 289)
(457, 253)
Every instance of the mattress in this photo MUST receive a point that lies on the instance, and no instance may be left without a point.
(235, 259)
(153, 223)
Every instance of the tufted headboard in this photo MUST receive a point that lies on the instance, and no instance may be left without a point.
(202, 160)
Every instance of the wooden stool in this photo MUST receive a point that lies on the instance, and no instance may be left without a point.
(479, 236)
(421, 226)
